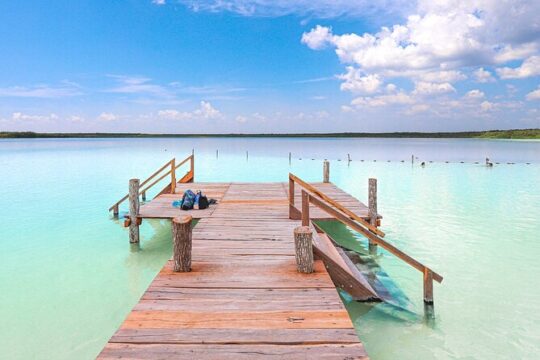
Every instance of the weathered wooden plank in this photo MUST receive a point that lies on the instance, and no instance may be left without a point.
(321, 319)
(236, 336)
(226, 352)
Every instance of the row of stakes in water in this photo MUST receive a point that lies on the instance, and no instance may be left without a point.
(413, 158)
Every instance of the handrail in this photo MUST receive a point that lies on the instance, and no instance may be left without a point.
(169, 164)
(376, 239)
(293, 178)
(335, 209)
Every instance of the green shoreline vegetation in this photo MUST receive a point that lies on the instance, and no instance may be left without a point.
(490, 134)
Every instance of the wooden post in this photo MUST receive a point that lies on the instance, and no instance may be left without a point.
(192, 164)
(133, 210)
(182, 234)
(428, 286)
(349, 157)
(290, 157)
(143, 196)
(305, 208)
(412, 159)
(173, 176)
(326, 171)
(247, 155)
(291, 198)
(372, 204)
(217, 154)
(303, 243)
(115, 210)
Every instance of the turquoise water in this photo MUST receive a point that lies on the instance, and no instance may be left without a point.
(68, 276)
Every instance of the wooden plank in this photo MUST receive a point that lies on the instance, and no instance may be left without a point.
(233, 352)
(236, 336)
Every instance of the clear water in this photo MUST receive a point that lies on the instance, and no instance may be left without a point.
(68, 276)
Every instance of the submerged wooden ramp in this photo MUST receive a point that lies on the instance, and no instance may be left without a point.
(244, 297)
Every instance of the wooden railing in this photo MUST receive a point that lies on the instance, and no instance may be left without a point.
(311, 195)
(170, 167)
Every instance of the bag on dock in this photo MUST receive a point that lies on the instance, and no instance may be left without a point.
(188, 200)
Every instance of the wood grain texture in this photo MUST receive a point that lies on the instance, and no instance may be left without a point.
(243, 298)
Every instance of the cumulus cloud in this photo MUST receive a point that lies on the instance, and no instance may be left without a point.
(399, 98)
(534, 95)
(205, 111)
(529, 67)
(27, 117)
(475, 94)
(437, 44)
(318, 38)
(483, 76)
(106, 116)
(427, 88)
(356, 82)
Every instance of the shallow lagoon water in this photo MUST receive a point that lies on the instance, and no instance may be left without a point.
(68, 276)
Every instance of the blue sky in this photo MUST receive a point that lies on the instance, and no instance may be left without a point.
(269, 66)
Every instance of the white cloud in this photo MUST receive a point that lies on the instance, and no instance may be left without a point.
(487, 106)
(435, 45)
(427, 88)
(26, 117)
(159, 2)
(105, 116)
(399, 98)
(355, 82)
(483, 76)
(450, 76)
(310, 8)
(534, 95)
(137, 85)
(241, 119)
(318, 38)
(475, 94)
(41, 91)
(529, 67)
(205, 111)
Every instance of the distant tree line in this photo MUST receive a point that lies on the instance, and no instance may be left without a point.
(490, 134)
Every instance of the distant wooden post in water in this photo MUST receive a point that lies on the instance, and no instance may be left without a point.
(182, 235)
(326, 171)
(372, 205)
(133, 211)
(303, 249)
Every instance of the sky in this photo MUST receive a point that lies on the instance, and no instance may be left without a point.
(269, 66)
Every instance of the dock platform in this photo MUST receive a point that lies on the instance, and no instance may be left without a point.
(257, 276)
(244, 297)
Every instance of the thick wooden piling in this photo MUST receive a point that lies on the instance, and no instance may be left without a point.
(134, 210)
(303, 244)
(326, 171)
(182, 236)
(372, 205)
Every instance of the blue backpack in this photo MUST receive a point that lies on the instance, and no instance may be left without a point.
(188, 200)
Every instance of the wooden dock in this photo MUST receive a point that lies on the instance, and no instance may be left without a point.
(263, 274)
(243, 298)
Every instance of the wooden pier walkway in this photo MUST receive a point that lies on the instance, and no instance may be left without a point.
(244, 297)
(248, 294)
